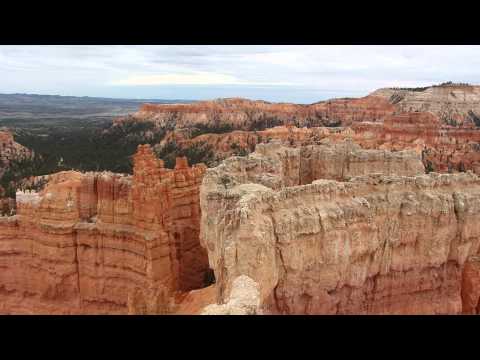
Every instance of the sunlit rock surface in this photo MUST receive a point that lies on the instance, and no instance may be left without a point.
(381, 243)
(104, 242)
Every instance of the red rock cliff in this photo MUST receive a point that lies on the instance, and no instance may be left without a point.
(243, 114)
(444, 148)
(454, 104)
(103, 242)
(9, 151)
(398, 242)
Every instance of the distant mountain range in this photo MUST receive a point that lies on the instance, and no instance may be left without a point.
(14, 106)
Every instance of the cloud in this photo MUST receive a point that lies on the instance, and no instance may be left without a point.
(282, 72)
(197, 78)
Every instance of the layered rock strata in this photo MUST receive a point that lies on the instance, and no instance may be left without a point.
(454, 104)
(372, 244)
(10, 150)
(104, 242)
(243, 114)
(443, 148)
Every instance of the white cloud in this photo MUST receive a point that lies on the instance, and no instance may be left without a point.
(198, 78)
(285, 71)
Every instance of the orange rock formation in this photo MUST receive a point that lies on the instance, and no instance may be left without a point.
(444, 148)
(454, 104)
(243, 114)
(396, 242)
(10, 150)
(103, 242)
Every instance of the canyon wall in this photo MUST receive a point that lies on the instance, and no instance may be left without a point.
(382, 243)
(444, 148)
(454, 104)
(10, 150)
(103, 242)
(243, 114)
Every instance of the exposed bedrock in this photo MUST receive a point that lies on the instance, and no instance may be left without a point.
(10, 152)
(454, 104)
(103, 242)
(396, 242)
(244, 114)
(444, 148)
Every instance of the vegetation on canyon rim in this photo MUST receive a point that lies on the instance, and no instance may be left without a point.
(84, 139)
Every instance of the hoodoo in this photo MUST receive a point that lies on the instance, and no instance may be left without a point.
(103, 242)
(392, 240)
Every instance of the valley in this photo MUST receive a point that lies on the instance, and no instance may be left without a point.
(232, 206)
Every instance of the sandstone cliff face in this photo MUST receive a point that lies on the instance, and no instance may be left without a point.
(242, 114)
(10, 150)
(374, 244)
(454, 105)
(444, 148)
(103, 242)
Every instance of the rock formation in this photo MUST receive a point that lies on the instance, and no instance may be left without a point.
(243, 114)
(381, 243)
(444, 148)
(244, 299)
(439, 121)
(10, 150)
(454, 104)
(104, 242)
(339, 208)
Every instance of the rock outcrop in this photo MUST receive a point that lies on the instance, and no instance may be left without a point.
(454, 104)
(444, 148)
(243, 114)
(103, 242)
(10, 150)
(244, 299)
(440, 121)
(368, 244)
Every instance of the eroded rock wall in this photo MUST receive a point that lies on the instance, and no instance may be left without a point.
(104, 242)
(444, 148)
(375, 244)
(243, 114)
(454, 104)
(10, 151)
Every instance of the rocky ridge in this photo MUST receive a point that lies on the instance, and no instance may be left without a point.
(454, 104)
(444, 148)
(104, 242)
(9, 151)
(371, 244)
(243, 114)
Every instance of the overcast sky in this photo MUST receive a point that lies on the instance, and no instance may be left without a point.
(301, 74)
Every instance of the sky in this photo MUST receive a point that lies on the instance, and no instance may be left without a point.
(301, 74)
